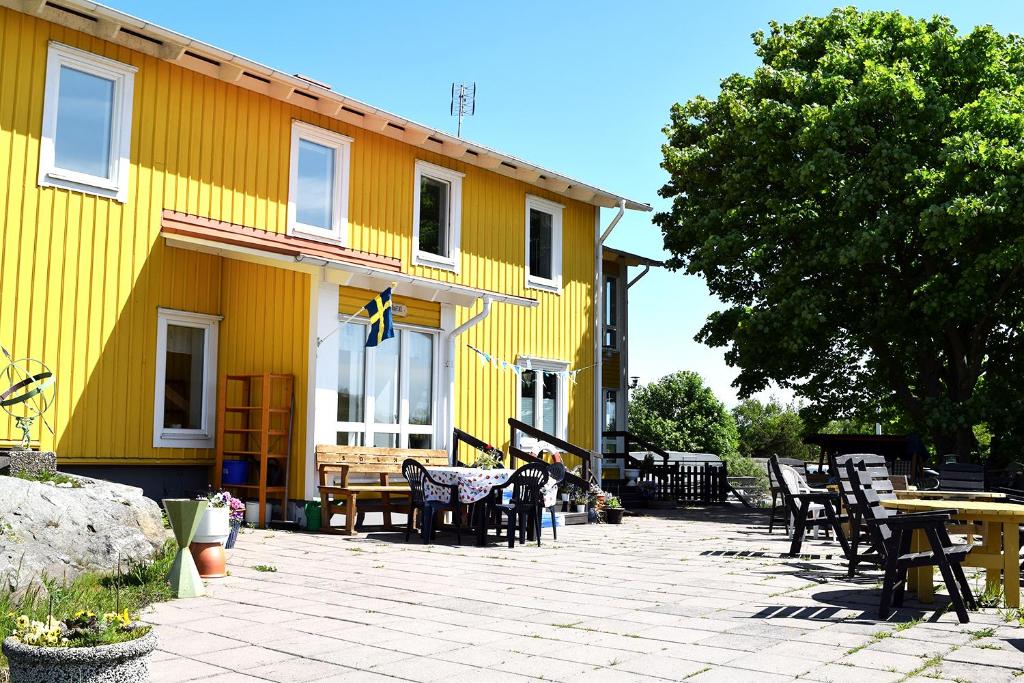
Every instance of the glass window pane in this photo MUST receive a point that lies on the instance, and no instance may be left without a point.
(85, 106)
(611, 304)
(610, 400)
(421, 377)
(351, 362)
(527, 389)
(183, 387)
(549, 402)
(384, 440)
(314, 194)
(421, 441)
(540, 244)
(385, 381)
(350, 439)
(434, 196)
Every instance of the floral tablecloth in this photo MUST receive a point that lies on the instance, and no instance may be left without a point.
(475, 484)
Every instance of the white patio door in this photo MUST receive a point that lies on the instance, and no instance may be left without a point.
(387, 394)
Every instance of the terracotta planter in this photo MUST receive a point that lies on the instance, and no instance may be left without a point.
(214, 527)
(128, 661)
(210, 559)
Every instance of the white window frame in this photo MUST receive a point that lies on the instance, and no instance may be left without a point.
(554, 283)
(166, 437)
(562, 402)
(368, 427)
(341, 144)
(454, 180)
(115, 184)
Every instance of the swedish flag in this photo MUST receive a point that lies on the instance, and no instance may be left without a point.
(379, 312)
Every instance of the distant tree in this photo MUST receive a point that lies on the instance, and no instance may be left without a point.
(858, 205)
(679, 413)
(771, 428)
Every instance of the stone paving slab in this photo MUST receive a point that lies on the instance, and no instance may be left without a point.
(698, 595)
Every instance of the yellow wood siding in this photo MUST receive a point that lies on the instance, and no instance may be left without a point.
(81, 277)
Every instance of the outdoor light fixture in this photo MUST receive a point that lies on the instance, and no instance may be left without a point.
(634, 382)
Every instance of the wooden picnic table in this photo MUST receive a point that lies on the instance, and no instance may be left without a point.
(952, 495)
(998, 551)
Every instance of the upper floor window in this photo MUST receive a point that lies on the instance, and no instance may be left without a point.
(318, 184)
(87, 123)
(437, 216)
(186, 379)
(611, 313)
(543, 244)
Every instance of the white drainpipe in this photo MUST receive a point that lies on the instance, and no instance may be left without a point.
(450, 366)
(598, 329)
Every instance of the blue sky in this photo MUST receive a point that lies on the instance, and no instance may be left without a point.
(583, 88)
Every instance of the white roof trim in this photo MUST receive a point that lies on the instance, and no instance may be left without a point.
(352, 275)
(110, 24)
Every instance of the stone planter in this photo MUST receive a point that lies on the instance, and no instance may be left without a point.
(214, 527)
(128, 661)
(30, 462)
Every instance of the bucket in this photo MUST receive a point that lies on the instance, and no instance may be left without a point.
(235, 472)
(313, 515)
(252, 513)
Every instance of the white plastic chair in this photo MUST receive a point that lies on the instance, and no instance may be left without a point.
(798, 484)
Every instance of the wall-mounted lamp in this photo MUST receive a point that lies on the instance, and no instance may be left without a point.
(634, 382)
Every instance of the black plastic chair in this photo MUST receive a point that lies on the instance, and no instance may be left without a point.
(418, 476)
(892, 535)
(526, 506)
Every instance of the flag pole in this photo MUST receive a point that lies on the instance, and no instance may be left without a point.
(321, 340)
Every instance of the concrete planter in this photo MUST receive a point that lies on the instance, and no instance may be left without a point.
(119, 663)
(29, 462)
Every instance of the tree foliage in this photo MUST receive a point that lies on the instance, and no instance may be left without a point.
(858, 204)
(771, 428)
(679, 413)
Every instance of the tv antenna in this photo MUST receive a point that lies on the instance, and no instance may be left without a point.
(463, 102)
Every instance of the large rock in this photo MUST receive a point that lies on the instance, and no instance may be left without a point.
(61, 532)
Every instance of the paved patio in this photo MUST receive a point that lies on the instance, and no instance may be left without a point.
(701, 595)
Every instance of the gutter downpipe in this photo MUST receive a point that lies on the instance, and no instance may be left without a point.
(598, 325)
(450, 368)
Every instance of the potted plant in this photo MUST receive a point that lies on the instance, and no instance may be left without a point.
(236, 513)
(613, 510)
(86, 647)
(215, 525)
(490, 458)
(579, 499)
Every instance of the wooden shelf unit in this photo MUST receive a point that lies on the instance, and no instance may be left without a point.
(255, 415)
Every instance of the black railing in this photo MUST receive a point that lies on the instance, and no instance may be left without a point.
(460, 437)
(693, 482)
(517, 427)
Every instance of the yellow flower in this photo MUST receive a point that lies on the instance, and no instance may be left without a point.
(23, 621)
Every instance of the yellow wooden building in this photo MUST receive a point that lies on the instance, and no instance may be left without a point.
(173, 212)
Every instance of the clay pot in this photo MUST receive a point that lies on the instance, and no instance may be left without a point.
(210, 559)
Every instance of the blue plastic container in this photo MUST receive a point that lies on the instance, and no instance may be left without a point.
(235, 472)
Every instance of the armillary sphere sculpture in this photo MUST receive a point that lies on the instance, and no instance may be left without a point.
(28, 395)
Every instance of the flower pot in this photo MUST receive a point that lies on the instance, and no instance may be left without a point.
(613, 515)
(579, 507)
(127, 661)
(630, 473)
(236, 524)
(214, 527)
(210, 559)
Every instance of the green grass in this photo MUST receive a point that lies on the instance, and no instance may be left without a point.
(265, 568)
(140, 584)
(50, 477)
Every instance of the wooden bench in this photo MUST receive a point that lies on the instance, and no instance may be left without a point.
(341, 462)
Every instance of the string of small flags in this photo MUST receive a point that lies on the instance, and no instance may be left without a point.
(501, 364)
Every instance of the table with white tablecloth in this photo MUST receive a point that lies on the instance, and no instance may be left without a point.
(475, 483)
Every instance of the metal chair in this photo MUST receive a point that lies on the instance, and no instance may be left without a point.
(419, 479)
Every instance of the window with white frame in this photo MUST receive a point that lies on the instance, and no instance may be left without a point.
(611, 312)
(543, 244)
(318, 184)
(387, 394)
(186, 379)
(437, 216)
(542, 396)
(611, 420)
(87, 123)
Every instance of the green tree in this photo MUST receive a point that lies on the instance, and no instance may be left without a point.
(858, 205)
(679, 413)
(771, 429)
